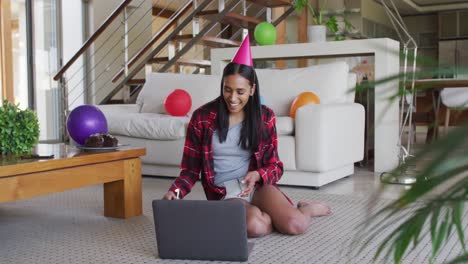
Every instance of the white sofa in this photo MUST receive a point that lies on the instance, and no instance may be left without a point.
(320, 146)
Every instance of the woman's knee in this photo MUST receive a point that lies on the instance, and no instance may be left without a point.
(259, 225)
(293, 225)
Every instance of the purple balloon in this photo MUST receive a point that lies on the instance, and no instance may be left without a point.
(84, 121)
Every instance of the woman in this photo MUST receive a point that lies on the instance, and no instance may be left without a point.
(232, 143)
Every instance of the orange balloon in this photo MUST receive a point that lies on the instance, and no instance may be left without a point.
(302, 99)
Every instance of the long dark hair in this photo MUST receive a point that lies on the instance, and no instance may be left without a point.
(252, 126)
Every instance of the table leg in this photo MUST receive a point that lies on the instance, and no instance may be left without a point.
(433, 129)
(123, 198)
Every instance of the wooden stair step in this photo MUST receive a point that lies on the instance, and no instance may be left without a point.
(219, 42)
(208, 12)
(184, 62)
(115, 101)
(239, 20)
(183, 37)
(165, 13)
(136, 81)
(210, 41)
(272, 3)
(194, 62)
(159, 60)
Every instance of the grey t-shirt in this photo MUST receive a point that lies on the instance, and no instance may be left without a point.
(230, 160)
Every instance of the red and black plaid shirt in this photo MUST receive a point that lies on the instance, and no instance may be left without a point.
(197, 160)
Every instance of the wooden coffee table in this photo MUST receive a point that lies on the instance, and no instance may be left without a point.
(118, 170)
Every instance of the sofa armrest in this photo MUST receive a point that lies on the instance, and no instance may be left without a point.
(112, 109)
(329, 136)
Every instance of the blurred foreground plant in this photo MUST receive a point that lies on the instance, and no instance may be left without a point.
(432, 206)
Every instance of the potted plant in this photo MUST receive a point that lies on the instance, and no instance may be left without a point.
(318, 31)
(19, 129)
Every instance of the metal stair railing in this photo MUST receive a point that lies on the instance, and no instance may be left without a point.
(157, 36)
(165, 41)
(93, 69)
(77, 88)
(234, 36)
(69, 86)
(174, 61)
(197, 37)
(165, 28)
(194, 41)
(92, 88)
(93, 38)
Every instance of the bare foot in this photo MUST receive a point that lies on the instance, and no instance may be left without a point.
(314, 209)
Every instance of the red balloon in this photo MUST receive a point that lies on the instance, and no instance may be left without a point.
(178, 103)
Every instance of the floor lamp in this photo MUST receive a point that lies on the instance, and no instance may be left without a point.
(407, 103)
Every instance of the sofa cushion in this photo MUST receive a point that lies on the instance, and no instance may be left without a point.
(280, 87)
(287, 152)
(284, 125)
(166, 153)
(202, 89)
(148, 125)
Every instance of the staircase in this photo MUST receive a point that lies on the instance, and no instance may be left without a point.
(155, 35)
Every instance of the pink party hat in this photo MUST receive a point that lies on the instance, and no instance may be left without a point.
(244, 55)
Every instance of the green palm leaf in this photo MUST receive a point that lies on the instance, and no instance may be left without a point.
(424, 201)
(457, 214)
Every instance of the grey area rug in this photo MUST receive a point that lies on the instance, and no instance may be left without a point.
(69, 227)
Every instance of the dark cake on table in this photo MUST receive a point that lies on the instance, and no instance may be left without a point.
(110, 141)
(99, 140)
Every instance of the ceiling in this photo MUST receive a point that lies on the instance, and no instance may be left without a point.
(414, 7)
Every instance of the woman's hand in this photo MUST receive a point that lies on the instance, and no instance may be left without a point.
(249, 181)
(170, 195)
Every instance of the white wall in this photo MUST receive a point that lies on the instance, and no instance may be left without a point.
(72, 40)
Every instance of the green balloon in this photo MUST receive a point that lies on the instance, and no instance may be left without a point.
(265, 34)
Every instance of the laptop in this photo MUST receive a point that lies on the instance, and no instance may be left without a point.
(201, 230)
